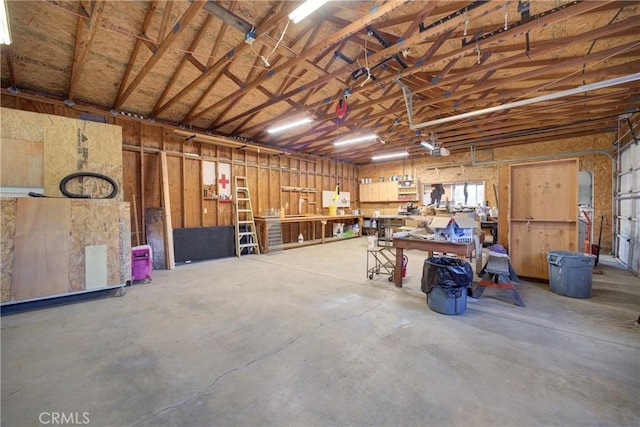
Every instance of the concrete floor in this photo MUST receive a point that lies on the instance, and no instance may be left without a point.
(303, 338)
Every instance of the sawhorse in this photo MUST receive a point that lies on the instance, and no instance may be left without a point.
(497, 273)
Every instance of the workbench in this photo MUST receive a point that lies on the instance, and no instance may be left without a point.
(263, 222)
(431, 246)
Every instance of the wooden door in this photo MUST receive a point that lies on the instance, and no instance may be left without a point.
(543, 214)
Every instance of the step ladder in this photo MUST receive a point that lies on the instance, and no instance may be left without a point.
(246, 237)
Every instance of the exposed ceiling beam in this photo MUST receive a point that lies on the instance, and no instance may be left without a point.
(262, 28)
(310, 53)
(85, 34)
(178, 28)
(228, 17)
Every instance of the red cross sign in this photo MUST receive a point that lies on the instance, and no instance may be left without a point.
(223, 181)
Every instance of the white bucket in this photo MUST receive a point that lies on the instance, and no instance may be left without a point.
(372, 242)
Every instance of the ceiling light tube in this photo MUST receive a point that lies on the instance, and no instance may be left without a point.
(305, 9)
(290, 125)
(390, 156)
(427, 145)
(548, 97)
(356, 139)
(5, 33)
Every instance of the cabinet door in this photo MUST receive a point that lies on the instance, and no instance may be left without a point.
(389, 191)
(543, 214)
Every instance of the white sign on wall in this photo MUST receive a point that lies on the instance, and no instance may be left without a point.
(344, 199)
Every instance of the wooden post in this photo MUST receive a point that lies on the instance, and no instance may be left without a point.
(166, 211)
(135, 218)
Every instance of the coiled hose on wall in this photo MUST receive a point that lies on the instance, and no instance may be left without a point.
(66, 179)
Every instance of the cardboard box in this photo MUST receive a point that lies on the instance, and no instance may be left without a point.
(456, 229)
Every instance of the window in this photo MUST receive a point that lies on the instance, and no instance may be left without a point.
(469, 193)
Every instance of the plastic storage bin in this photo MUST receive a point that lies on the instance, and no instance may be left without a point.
(571, 273)
(141, 263)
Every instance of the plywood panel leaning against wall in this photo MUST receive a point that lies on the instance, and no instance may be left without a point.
(44, 241)
(41, 252)
(69, 145)
(7, 242)
(81, 146)
(543, 214)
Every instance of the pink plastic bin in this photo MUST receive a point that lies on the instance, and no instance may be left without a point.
(141, 263)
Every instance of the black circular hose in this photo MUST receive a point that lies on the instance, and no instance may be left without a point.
(66, 179)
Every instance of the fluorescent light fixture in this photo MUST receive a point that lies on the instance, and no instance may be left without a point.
(390, 156)
(580, 89)
(427, 145)
(5, 32)
(290, 125)
(356, 139)
(305, 9)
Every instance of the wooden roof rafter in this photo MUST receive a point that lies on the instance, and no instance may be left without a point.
(187, 58)
(178, 29)
(388, 51)
(267, 24)
(138, 44)
(520, 93)
(310, 53)
(85, 34)
(549, 47)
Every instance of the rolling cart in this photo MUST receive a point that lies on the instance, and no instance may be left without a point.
(381, 260)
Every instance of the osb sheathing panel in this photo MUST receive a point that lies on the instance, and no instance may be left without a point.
(21, 163)
(124, 218)
(94, 222)
(22, 125)
(7, 231)
(80, 146)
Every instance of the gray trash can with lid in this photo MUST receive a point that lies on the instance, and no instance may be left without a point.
(446, 282)
(571, 273)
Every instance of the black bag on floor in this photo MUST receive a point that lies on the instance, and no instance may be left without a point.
(452, 274)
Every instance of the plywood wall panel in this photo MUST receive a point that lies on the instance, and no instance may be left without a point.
(192, 193)
(224, 153)
(152, 182)
(151, 136)
(191, 147)
(8, 208)
(210, 213)
(130, 131)
(22, 163)
(41, 252)
(77, 145)
(173, 145)
(176, 183)
(94, 222)
(503, 205)
(264, 191)
(252, 182)
(21, 125)
(124, 215)
(132, 187)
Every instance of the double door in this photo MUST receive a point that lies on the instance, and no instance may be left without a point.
(543, 214)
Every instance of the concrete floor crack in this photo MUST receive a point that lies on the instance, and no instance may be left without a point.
(275, 351)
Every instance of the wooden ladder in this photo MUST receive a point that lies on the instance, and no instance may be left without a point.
(246, 237)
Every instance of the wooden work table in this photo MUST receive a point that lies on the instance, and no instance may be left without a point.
(431, 246)
(263, 221)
